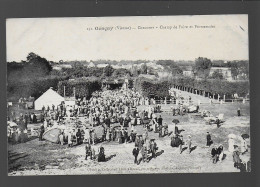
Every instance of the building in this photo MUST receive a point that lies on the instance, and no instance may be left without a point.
(48, 98)
(224, 70)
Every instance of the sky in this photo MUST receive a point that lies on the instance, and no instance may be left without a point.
(71, 38)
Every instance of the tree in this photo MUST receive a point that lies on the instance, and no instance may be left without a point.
(121, 72)
(176, 71)
(244, 69)
(217, 75)
(144, 69)
(171, 66)
(234, 69)
(37, 65)
(202, 67)
(108, 71)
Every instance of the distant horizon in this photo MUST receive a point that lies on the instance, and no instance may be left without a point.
(76, 60)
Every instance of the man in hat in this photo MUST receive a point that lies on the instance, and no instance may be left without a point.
(153, 146)
(236, 159)
(137, 140)
(238, 112)
(135, 153)
(41, 132)
(220, 152)
(125, 135)
(214, 154)
(160, 120)
(209, 141)
(78, 136)
(141, 141)
(218, 122)
(144, 153)
(160, 131)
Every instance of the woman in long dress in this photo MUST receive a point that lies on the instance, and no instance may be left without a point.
(87, 136)
(69, 139)
(231, 143)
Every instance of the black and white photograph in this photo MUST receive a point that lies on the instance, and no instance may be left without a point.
(128, 95)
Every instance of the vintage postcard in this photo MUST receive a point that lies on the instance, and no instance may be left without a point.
(128, 95)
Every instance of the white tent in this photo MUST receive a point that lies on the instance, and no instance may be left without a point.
(49, 98)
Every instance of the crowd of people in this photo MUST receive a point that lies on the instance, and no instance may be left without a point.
(117, 113)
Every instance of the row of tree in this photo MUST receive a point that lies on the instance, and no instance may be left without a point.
(81, 88)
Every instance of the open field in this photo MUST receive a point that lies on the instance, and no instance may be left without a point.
(45, 158)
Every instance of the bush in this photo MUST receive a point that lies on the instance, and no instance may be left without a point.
(83, 88)
(215, 86)
(31, 87)
(150, 89)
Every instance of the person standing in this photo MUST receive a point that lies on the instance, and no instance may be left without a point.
(101, 155)
(153, 148)
(34, 118)
(88, 151)
(231, 143)
(120, 136)
(61, 138)
(236, 159)
(243, 146)
(104, 134)
(69, 139)
(109, 134)
(160, 131)
(209, 141)
(160, 120)
(144, 153)
(135, 153)
(180, 142)
(189, 142)
(78, 136)
(214, 154)
(41, 132)
(238, 112)
(220, 152)
(125, 135)
(87, 135)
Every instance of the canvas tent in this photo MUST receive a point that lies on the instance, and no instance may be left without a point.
(49, 98)
(52, 135)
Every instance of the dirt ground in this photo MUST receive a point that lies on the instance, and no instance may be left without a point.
(45, 158)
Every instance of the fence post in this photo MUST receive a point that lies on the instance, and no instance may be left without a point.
(64, 92)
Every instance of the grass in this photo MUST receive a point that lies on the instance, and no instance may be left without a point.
(170, 161)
